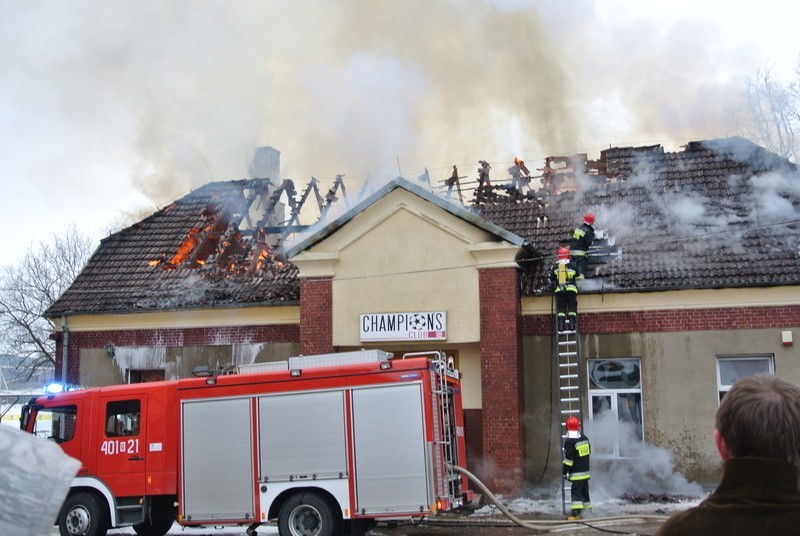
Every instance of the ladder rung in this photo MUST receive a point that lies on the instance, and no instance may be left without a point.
(567, 354)
(563, 400)
(569, 411)
(568, 376)
(569, 387)
(567, 365)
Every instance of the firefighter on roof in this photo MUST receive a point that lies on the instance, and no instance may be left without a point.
(580, 242)
(576, 466)
(563, 275)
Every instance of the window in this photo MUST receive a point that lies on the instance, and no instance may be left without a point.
(615, 396)
(56, 423)
(730, 369)
(122, 418)
(145, 375)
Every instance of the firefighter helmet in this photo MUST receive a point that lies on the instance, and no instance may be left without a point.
(589, 218)
(573, 424)
(563, 254)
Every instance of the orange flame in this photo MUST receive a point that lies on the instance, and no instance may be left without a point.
(521, 165)
(189, 242)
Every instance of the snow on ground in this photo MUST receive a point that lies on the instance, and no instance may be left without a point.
(194, 531)
(547, 504)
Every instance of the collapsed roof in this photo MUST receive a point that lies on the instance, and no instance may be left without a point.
(720, 213)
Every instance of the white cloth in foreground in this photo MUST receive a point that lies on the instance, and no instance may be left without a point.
(35, 476)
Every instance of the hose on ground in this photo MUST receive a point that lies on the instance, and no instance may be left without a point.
(546, 525)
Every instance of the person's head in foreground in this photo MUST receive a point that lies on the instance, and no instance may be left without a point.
(760, 416)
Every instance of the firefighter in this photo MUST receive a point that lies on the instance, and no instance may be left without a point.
(576, 467)
(579, 243)
(563, 275)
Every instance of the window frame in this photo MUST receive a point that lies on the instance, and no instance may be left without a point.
(614, 394)
(722, 389)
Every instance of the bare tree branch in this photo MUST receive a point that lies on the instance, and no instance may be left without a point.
(771, 116)
(28, 288)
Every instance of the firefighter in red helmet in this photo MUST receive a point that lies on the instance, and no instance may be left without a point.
(579, 243)
(563, 276)
(576, 466)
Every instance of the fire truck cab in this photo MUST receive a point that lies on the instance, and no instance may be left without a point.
(321, 444)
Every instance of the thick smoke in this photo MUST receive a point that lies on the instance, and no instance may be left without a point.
(647, 470)
(135, 104)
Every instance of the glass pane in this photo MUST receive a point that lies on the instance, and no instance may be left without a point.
(122, 418)
(57, 424)
(614, 374)
(732, 370)
(603, 429)
(629, 410)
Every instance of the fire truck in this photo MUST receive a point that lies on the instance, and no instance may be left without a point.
(324, 445)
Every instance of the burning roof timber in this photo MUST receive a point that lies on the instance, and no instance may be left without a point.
(719, 213)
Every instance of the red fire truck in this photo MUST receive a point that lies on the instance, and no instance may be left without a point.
(324, 444)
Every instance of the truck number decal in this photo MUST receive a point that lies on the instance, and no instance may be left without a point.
(120, 446)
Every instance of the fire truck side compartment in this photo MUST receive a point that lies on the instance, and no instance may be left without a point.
(217, 459)
(391, 464)
(302, 436)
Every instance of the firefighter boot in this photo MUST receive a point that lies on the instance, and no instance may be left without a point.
(576, 515)
(573, 322)
(561, 323)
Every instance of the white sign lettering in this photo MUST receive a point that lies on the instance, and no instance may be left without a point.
(429, 326)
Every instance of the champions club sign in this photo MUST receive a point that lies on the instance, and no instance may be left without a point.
(428, 326)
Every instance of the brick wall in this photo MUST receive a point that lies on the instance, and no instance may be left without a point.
(673, 320)
(501, 380)
(167, 337)
(316, 316)
(473, 428)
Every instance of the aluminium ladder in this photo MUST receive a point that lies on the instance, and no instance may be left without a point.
(444, 420)
(570, 393)
(444, 394)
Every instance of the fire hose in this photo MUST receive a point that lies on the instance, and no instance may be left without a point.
(546, 525)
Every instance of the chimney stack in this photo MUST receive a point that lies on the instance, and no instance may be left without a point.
(266, 164)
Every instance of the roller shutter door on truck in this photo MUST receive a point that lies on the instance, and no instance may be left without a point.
(390, 450)
(302, 436)
(218, 479)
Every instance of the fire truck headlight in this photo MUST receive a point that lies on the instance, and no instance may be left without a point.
(295, 373)
(386, 365)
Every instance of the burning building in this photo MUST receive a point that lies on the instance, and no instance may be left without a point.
(694, 280)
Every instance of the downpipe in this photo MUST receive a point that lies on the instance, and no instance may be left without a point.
(547, 525)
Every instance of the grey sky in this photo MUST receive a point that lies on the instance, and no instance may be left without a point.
(112, 108)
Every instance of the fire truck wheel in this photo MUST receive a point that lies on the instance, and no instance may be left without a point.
(154, 527)
(82, 515)
(308, 514)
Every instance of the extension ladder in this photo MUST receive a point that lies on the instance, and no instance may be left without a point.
(570, 392)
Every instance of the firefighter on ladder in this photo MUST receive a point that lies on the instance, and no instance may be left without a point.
(579, 243)
(563, 275)
(577, 451)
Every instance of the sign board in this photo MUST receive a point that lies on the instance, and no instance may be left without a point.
(382, 327)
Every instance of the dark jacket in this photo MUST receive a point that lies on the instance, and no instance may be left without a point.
(576, 458)
(582, 238)
(756, 496)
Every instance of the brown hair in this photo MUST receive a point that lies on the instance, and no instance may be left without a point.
(760, 416)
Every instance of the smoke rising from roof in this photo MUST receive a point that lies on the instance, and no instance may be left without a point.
(139, 103)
